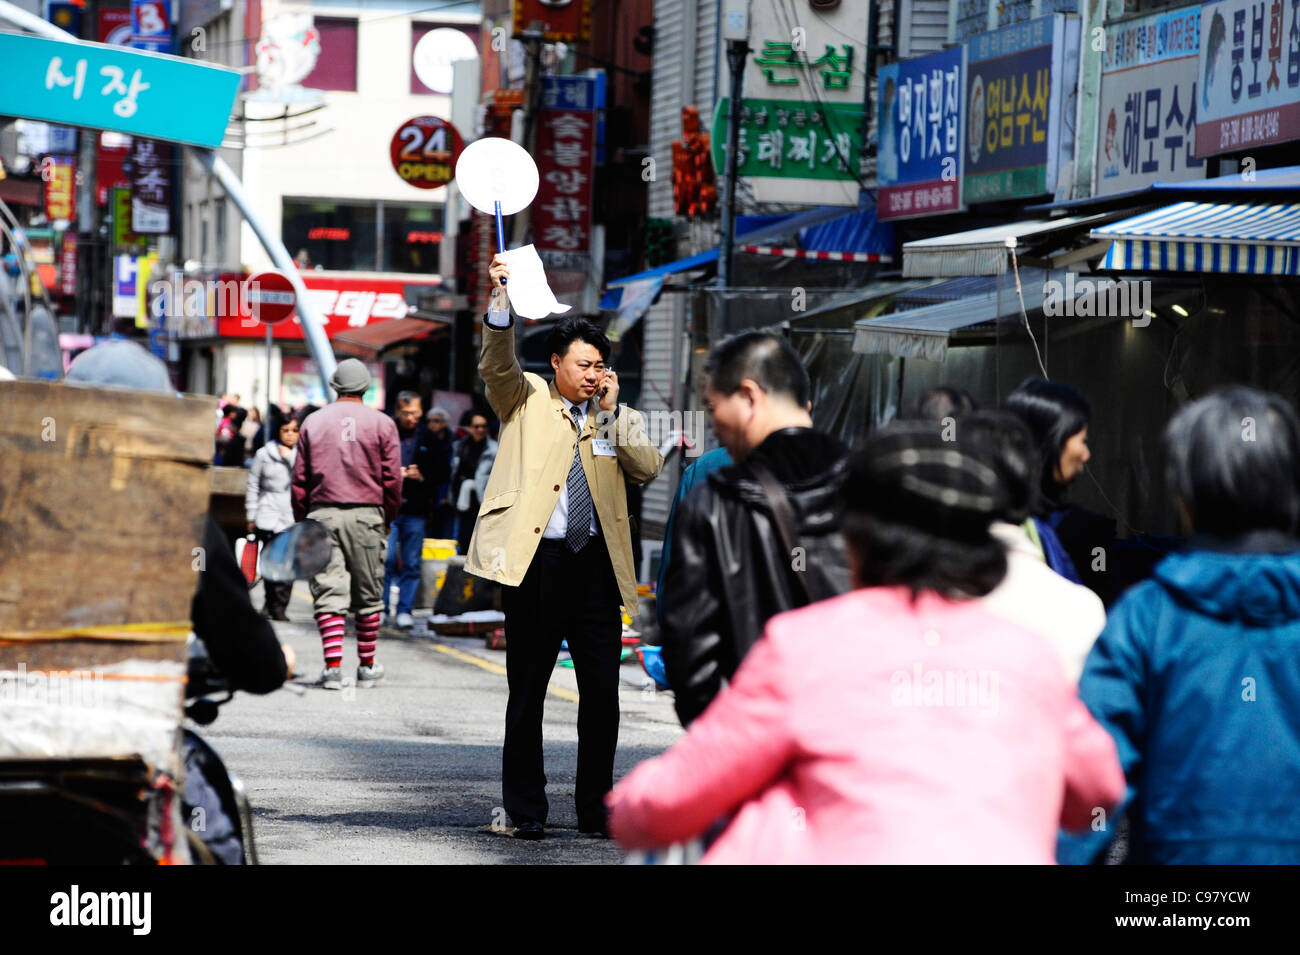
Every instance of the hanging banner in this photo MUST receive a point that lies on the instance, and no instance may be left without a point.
(919, 164)
(566, 167)
(1020, 85)
(1249, 72)
(151, 187)
(125, 298)
(60, 175)
(1148, 102)
(68, 265)
(124, 240)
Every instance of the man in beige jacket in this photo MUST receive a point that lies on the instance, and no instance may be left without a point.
(553, 530)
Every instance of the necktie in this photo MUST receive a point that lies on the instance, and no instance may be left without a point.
(580, 504)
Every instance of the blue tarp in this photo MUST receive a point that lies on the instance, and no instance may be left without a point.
(858, 231)
(825, 229)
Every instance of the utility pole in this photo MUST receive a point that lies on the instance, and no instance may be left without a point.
(736, 32)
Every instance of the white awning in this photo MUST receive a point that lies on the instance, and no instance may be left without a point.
(926, 332)
(984, 251)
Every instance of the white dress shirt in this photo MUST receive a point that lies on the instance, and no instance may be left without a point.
(558, 526)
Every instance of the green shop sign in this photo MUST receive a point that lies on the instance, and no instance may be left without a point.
(789, 139)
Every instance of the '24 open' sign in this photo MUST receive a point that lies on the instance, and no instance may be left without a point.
(424, 151)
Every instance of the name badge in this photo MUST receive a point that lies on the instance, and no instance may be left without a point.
(603, 447)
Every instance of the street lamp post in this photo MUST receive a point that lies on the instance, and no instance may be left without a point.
(735, 29)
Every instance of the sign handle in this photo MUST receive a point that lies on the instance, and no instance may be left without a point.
(501, 231)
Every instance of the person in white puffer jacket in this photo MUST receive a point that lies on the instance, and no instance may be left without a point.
(269, 506)
(1032, 595)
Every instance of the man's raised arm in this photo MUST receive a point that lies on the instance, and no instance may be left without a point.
(503, 379)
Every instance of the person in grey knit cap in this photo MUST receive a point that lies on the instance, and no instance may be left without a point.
(442, 514)
(348, 476)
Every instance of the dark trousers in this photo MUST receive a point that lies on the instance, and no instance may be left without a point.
(574, 597)
(277, 592)
(465, 521)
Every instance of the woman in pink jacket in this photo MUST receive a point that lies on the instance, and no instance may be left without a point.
(899, 723)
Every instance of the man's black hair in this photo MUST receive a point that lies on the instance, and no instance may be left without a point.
(575, 329)
(766, 359)
(1054, 413)
(1233, 460)
(406, 397)
(943, 401)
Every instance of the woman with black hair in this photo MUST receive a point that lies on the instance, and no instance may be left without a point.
(1057, 417)
(1069, 615)
(1196, 674)
(902, 722)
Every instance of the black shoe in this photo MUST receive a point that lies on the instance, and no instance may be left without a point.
(595, 828)
(530, 830)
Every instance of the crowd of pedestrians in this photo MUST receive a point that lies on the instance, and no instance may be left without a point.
(977, 691)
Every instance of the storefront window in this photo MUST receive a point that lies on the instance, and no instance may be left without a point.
(339, 236)
(336, 66)
(412, 236)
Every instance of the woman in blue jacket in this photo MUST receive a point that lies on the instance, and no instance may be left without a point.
(1197, 674)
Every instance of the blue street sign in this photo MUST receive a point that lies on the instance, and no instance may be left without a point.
(105, 87)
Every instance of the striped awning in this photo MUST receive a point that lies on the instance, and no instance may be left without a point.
(1207, 237)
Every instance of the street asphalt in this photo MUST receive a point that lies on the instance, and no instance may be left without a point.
(409, 771)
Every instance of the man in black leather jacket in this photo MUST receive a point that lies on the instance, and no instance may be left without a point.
(732, 566)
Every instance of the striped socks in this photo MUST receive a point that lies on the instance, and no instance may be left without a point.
(367, 637)
(330, 626)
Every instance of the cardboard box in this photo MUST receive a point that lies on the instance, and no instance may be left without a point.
(103, 495)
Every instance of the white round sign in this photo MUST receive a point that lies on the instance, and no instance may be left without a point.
(497, 170)
(435, 53)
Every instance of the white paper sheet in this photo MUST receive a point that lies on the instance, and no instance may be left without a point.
(530, 294)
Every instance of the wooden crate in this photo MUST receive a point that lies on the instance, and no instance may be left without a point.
(103, 495)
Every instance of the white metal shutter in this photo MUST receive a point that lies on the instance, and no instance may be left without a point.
(926, 23)
(709, 60)
(666, 100)
(661, 338)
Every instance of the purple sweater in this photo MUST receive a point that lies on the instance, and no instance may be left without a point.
(348, 454)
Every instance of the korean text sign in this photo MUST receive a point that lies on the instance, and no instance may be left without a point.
(59, 173)
(1015, 98)
(566, 158)
(920, 125)
(1249, 73)
(102, 87)
(151, 187)
(791, 139)
(1148, 102)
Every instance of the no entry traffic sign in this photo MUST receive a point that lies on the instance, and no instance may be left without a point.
(270, 297)
(424, 151)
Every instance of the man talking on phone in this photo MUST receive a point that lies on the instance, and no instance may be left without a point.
(553, 530)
